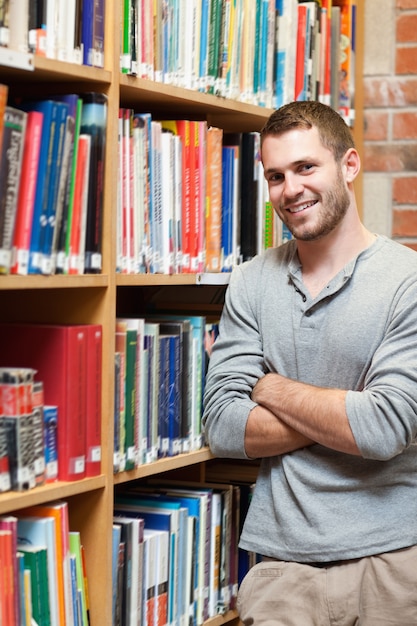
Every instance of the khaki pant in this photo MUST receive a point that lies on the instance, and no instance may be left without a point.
(378, 590)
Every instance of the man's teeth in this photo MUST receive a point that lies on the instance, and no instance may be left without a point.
(302, 207)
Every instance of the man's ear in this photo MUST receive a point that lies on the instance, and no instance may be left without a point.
(351, 165)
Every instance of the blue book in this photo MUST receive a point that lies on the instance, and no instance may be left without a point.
(49, 108)
(87, 31)
(163, 413)
(228, 155)
(204, 34)
(47, 233)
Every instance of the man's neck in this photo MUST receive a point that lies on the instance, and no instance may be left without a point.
(322, 259)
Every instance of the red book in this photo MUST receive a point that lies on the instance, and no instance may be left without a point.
(6, 578)
(182, 128)
(9, 523)
(93, 420)
(58, 353)
(213, 199)
(300, 53)
(79, 211)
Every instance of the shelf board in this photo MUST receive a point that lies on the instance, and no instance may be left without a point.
(13, 282)
(171, 101)
(32, 68)
(131, 280)
(164, 465)
(14, 500)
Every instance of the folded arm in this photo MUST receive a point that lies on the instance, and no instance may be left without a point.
(295, 414)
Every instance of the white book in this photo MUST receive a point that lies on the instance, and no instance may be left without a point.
(167, 203)
(18, 25)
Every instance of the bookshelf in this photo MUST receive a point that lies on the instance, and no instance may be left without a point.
(99, 298)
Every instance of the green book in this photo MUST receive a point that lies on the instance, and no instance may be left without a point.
(36, 561)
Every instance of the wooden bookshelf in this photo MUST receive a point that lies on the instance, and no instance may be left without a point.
(96, 299)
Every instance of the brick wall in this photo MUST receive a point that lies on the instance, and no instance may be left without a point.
(390, 119)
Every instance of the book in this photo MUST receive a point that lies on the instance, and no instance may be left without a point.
(35, 559)
(40, 531)
(26, 195)
(50, 419)
(93, 400)
(58, 510)
(38, 442)
(151, 345)
(182, 129)
(59, 355)
(63, 233)
(213, 199)
(132, 535)
(75, 549)
(126, 344)
(47, 231)
(9, 523)
(76, 257)
(116, 542)
(4, 93)
(94, 124)
(7, 590)
(16, 390)
(49, 109)
(157, 515)
(14, 129)
(98, 33)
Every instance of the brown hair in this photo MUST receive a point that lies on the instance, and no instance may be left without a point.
(333, 131)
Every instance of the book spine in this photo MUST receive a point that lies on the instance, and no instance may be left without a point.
(10, 170)
(94, 385)
(93, 124)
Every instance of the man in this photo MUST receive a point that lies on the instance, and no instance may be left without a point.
(315, 373)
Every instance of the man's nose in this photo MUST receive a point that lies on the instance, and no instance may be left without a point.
(292, 186)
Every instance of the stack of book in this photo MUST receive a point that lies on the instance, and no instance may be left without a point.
(179, 542)
(191, 198)
(67, 30)
(43, 577)
(264, 52)
(50, 410)
(160, 365)
(51, 184)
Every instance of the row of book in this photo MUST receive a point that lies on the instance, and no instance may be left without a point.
(67, 361)
(175, 554)
(51, 183)
(43, 578)
(28, 432)
(160, 366)
(67, 30)
(191, 198)
(264, 52)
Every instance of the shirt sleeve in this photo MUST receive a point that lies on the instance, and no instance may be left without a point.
(236, 363)
(383, 415)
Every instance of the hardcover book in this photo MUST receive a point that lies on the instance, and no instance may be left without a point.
(10, 169)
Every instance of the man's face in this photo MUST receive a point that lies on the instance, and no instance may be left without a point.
(306, 186)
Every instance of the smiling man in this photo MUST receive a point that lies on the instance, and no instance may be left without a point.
(315, 373)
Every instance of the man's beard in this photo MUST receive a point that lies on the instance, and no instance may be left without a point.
(334, 205)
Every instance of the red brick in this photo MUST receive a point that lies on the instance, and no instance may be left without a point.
(390, 92)
(405, 125)
(405, 190)
(376, 125)
(390, 157)
(404, 223)
(413, 246)
(406, 4)
(406, 60)
(406, 28)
